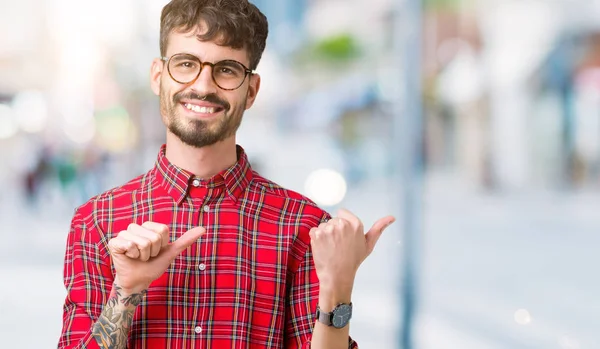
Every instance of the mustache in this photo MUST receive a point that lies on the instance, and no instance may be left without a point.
(211, 98)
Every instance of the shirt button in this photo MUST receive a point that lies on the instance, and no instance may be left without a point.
(196, 183)
(198, 329)
(202, 267)
(206, 208)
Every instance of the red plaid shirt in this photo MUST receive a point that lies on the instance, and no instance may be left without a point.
(250, 282)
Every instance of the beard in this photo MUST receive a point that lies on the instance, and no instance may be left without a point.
(200, 133)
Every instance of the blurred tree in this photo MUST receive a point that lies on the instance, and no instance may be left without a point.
(341, 48)
(443, 4)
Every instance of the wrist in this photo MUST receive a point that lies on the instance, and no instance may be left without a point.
(131, 290)
(330, 296)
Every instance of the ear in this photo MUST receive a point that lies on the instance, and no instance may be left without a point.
(156, 71)
(253, 87)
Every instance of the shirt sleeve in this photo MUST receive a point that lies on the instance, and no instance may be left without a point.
(302, 299)
(88, 279)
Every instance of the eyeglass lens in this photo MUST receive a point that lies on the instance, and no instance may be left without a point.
(227, 74)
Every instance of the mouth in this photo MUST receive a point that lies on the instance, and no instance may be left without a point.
(203, 110)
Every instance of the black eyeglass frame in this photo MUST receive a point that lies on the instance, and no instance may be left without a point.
(247, 71)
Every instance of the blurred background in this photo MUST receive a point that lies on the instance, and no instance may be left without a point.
(504, 212)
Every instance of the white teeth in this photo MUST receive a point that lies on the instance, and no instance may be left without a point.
(199, 109)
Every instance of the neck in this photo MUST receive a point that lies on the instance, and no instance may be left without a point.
(203, 162)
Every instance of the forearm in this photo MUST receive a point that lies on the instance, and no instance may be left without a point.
(111, 330)
(329, 337)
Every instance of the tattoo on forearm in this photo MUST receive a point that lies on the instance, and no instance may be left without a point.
(134, 299)
(111, 330)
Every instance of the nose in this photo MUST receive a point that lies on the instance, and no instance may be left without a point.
(205, 84)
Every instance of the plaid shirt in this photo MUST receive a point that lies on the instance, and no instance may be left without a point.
(250, 282)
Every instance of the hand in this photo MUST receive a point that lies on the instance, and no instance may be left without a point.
(340, 246)
(141, 254)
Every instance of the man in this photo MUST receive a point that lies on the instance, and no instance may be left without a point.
(202, 252)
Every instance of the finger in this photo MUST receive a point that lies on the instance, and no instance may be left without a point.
(337, 223)
(133, 251)
(118, 246)
(141, 243)
(153, 237)
(333, 221)
(161, 229)
(351, 218)
(186, 240)
(373, 235)
(315, 234)
(121, 246)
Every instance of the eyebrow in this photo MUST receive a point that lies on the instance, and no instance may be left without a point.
(201, 60)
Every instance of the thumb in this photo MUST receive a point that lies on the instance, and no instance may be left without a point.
(373, 235)
(187, 239)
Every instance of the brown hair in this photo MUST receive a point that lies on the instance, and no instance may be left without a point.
(234, 23)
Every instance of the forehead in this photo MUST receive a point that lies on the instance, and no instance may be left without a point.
(210, 51)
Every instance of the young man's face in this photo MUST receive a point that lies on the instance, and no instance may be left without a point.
(200, 113)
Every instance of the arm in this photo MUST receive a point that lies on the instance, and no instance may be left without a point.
(139, 255)
(111, 330)
(326, 336)
(304, 294)
(88, 279)
(339, 247)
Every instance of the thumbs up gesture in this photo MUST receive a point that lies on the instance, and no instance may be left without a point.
(141, 254)
(341, 245)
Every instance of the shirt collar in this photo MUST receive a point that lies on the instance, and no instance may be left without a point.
(177, 181)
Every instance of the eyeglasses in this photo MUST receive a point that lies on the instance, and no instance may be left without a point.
(185, 68)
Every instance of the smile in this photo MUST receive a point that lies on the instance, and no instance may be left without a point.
(201, 109)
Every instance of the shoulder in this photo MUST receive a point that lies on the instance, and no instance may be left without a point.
(296, 212)
(97, 212)
(91, 219)
(114, 197)
(280, 198)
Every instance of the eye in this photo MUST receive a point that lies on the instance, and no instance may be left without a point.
(187, 64)
(225, 70)
(229, 69)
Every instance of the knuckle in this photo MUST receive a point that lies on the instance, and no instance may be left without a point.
(144, 244)
(156, 240)
(149, 225)
(121, 234)
(132, 226)
(112, 244)
(163, 228)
